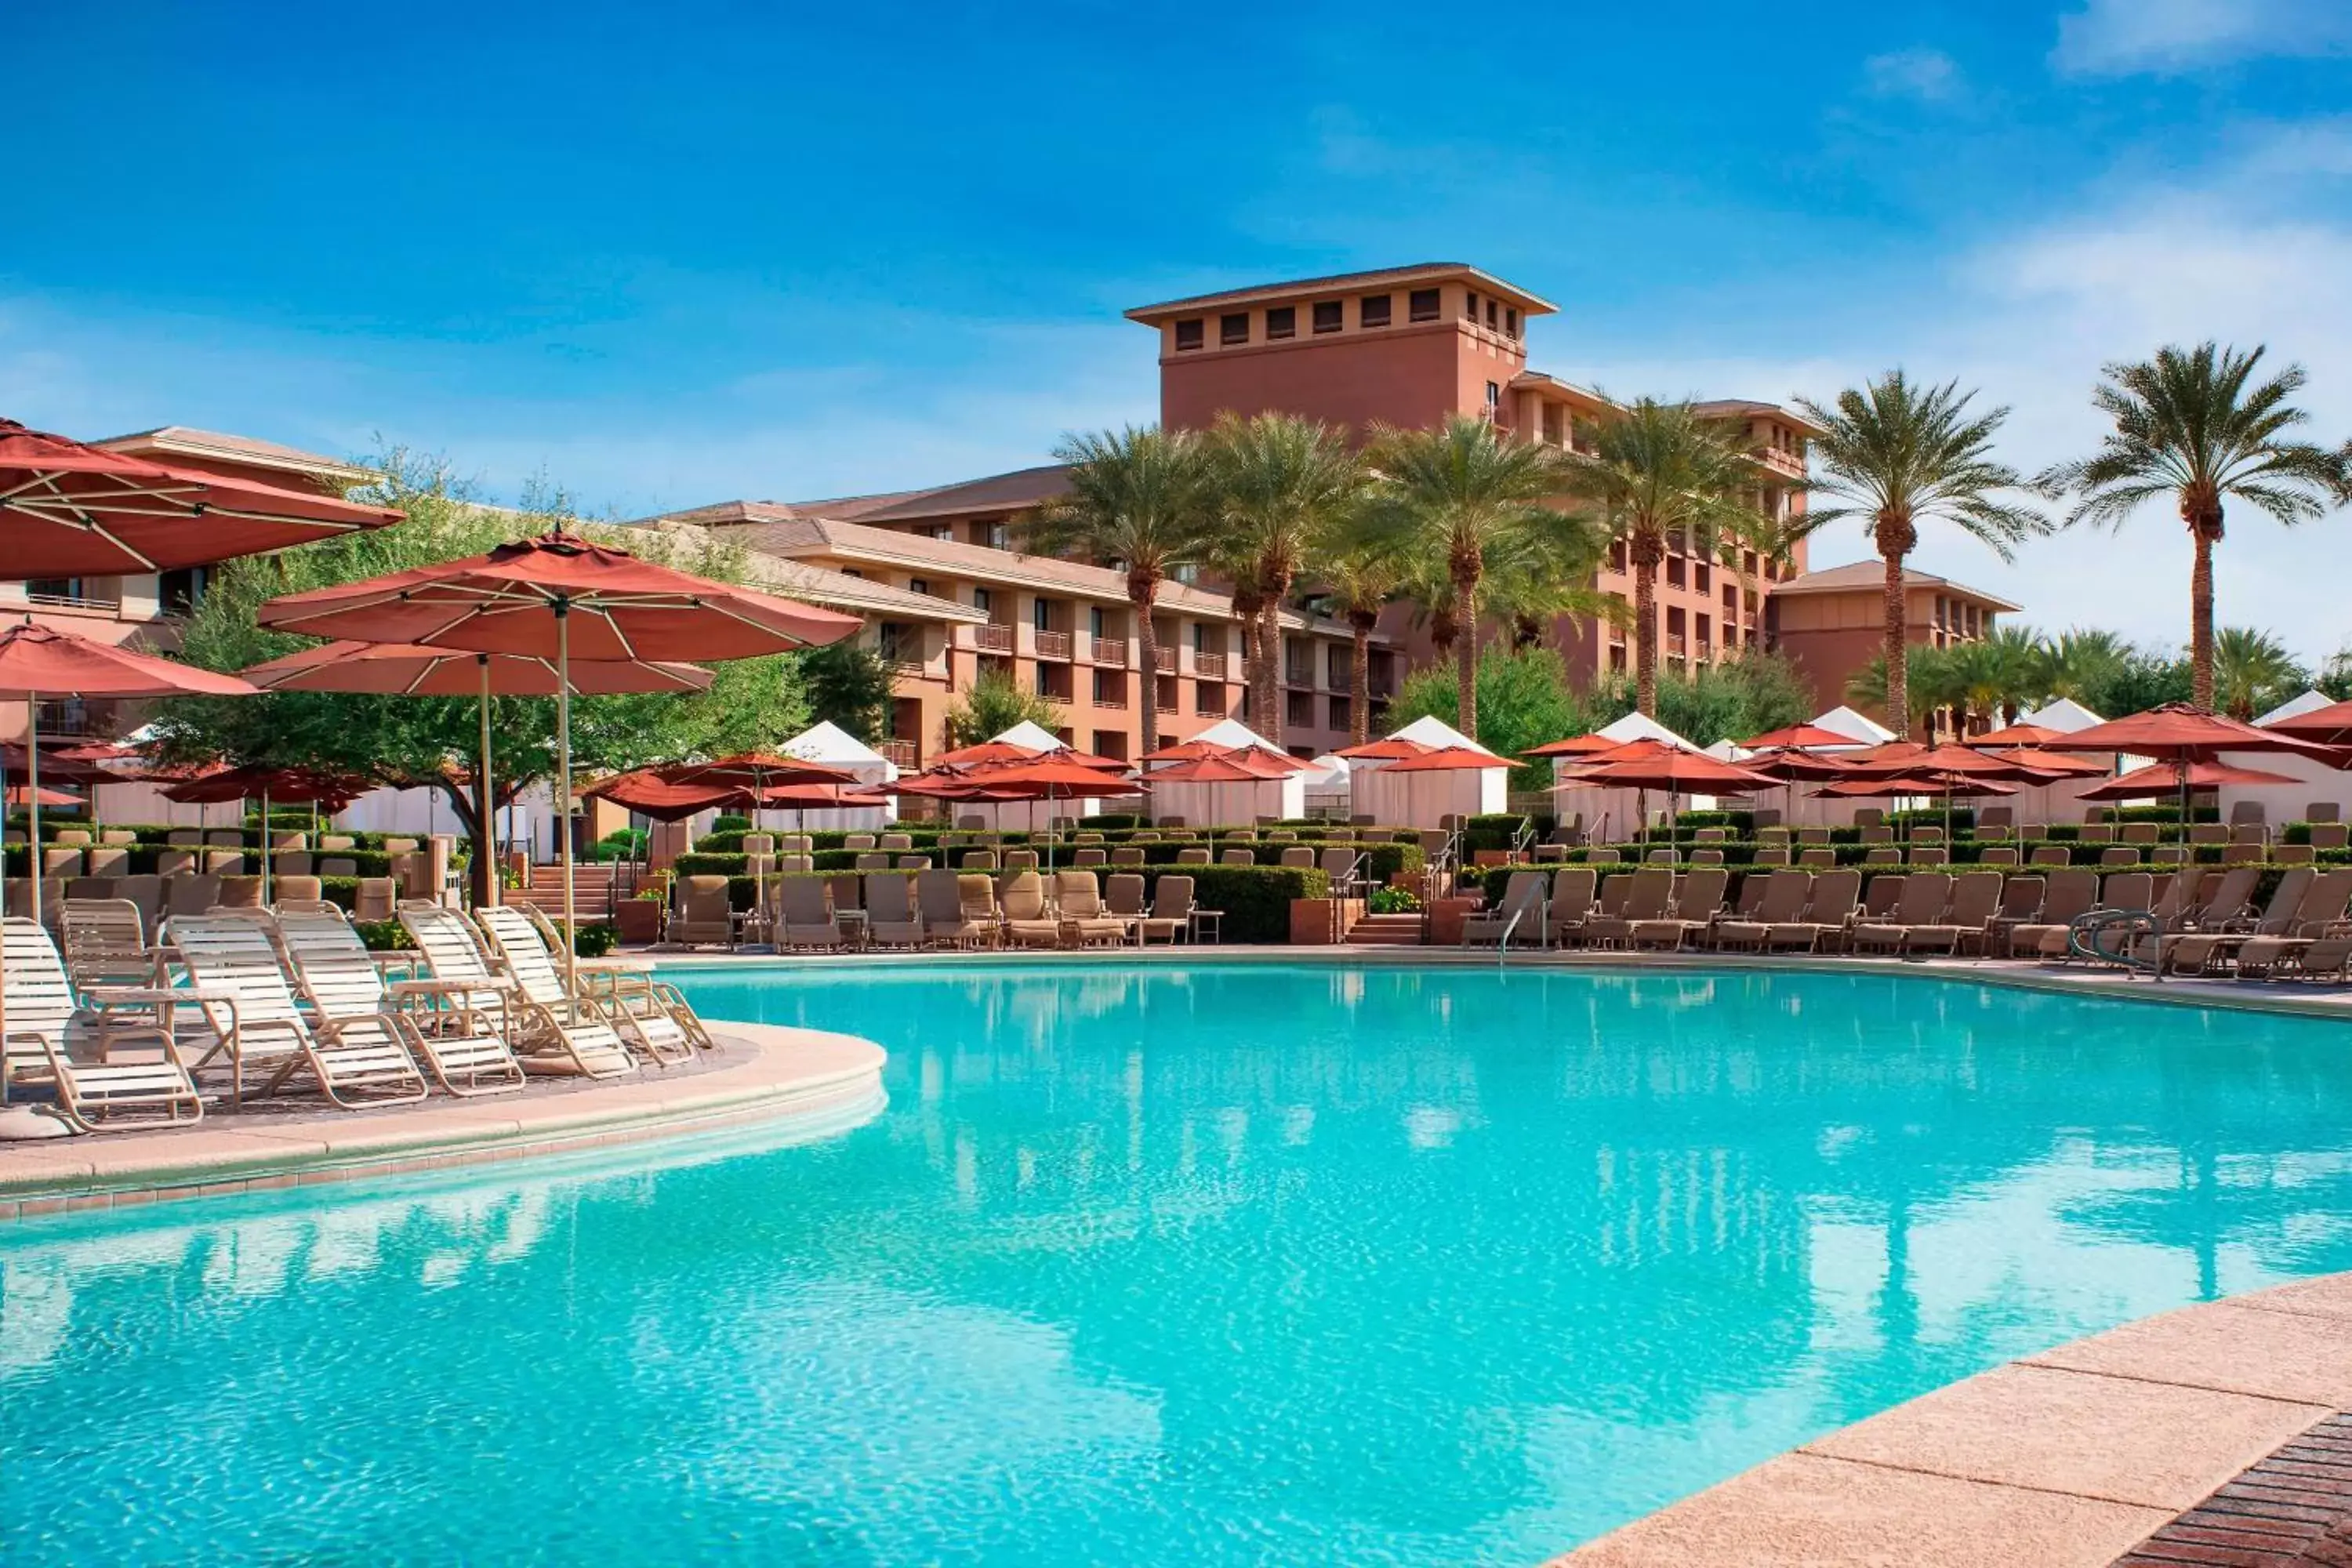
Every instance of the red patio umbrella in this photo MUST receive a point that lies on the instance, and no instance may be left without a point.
(2178, 777)
(2329, 726)
(1958, 786)
(752, 772)
(1386, 750)
(1447, 759)
(27, 795)
(407, 669)
(69, 509)
(1046, 779)
(1192, 750)
(550, 598)
(1800, 736)
(2019, 735)
(292, 786)
(646, 792)
(1670, 769)
(2059, 765)
(1574, 746)
(36, 660)
(2181, 731)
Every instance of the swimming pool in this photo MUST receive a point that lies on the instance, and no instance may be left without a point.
(1215, 1264)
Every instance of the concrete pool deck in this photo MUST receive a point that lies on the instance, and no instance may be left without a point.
(761, 1073)
(2070, 1458)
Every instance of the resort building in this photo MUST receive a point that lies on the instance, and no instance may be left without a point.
(151, 606)
(1831, 624)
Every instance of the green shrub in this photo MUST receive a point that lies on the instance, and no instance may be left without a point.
(730, 822)
(1495, 830)
(595, 939)
(1391, 901)
(1111, 819)
(385, 936)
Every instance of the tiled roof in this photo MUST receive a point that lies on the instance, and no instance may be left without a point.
(1393, 277)
(1872, 575)
(168, 441)
(840, 590)
(1750, 408)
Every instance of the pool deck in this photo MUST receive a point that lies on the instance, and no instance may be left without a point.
(2184, 1438)
(762, 1073)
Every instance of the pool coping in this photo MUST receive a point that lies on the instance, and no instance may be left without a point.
(788, 1074)
(2067, 1458)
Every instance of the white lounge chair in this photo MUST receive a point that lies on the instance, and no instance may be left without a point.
(652, 1028)
(545, 1040)
(462, 1040)
(40, 1008)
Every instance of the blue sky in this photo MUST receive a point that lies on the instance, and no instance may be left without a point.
(665, 256)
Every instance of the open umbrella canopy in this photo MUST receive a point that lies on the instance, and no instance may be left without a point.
(1239, 764)
(1447, 759)
(1674, 771)
(2329, 726)
(2056, 764)
(2172, 777)
(26, 795)
(38, 660)
(821, 796)
(1392, 749)
(1193, 751)
(606, 604)
(1799, 736)
(291, 786)
(1962, 761)
(646, 792)
(1793, 764)
(2018, 735)
(15, 765)
(1051, 773)
(1574, 746)
(985, 751)
(755, 771)
(406, 669)
(69, 509)
(2177, 730)
(1951, 786)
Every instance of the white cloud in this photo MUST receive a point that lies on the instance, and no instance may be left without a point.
(1931, 76)
(2168, 37)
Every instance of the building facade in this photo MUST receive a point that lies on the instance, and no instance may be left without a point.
(1831, 624)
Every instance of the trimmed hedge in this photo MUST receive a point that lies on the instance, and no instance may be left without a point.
(1494, 879)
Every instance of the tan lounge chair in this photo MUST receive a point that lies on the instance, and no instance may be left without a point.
(1829, 914)
(1078, 899)
(1976, 900)
(565, 1040)
(891, 918)
(1926, 896)
(1520, 915)
(463, 1044)
(1172, 910)
(1785, 894)
(40, 1008)
(939, 900)
(357, 1060)
(1647, 898)
(1028, 922)
(1698, 903)
(1573, 888)
(804, 916)
(644, 1014)
(705, 916)
(2072, 892)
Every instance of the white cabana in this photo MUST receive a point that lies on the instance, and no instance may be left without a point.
(1034, 816)
(2064, 714)
(1234, 803)
(2316, 782)
(1402, 793)
(1234, 733)
(1865, 730)
(1436, 734)
(1326, 785)
(829, 744)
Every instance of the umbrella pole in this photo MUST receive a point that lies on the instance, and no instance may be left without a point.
(486, 809)
(33, 798)
(563, 787)
(265, 846)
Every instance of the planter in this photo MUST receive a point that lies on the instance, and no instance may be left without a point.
(640, 919)
(1314, 922)
(1446, 920)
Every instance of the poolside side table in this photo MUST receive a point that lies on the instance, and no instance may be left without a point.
(1212, 920)
(159, 1003)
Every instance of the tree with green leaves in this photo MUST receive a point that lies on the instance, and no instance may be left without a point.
(1524, 700)
(2194, 425)
(2076, 661)
(2253, 672)
(851, 685)
(1279, 484)
(993, 704)
(434, 743)
(1459, 495)
(1138, 501)
(1359, 578)
(1656, 470)
(1897, 453)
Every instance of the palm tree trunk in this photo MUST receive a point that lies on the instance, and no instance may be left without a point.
(1360, 683)
(1645, 630)
(2200, 613)
(1895, 537)
(1245, 608)
(1465, 647)
(1269, 658)
(1141, 589)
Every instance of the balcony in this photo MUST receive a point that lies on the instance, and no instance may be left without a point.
(1678, 645)
(1114, 700)
(1164, 659)
(1209, 666)
(901, 754)
(1053, 646)
(1111, 650)
(1299, 675)
(992, 638)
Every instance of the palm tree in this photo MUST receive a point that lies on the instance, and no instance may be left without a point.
(1456, 495)
(2077, 662)
(1901, 454)
(1279, 483)
(1359, 578)
(1656, 470)
(1932, 684)
(1138, 499)
(2189, 425)
(2252, 672)
(2014, 663)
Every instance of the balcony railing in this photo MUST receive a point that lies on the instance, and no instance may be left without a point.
(1209, 666)
(1164, 659)
(1676, 645)
(73, 602)
(1167, 702)
(992, 638)
(1054, 645)
(1111, 650)
(1298, 675)
(901, 754)
(1116, 700)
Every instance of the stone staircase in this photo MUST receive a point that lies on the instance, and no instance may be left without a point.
(591, 891)
(1386, 930)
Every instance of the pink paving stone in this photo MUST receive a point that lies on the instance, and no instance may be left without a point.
(1805, 1510)
(2238, 1350)
(2081, 1433)
(2329, 1296)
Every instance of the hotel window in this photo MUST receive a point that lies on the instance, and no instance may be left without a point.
(1616, 555)
(1045, 680)
(1207, 696)
(1490, 315)
(942, 532)
(919, 584)
(1494, 398)
(1095, 622)
(1327, 316)
(1470, 306)
(851, 572)
(1511, 322)
(981, 601)
(1233, 329)
(1555, 423)
(1702, 622)
(1041, 614)
(1282, 321)
(180, 592)
(1372, 311)
(1189, 335)
(1341, 715)
(1421, 305)
(1702, 577)
(999, 536)
(1199, 636)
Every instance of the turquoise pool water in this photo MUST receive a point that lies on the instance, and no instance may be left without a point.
(1227, 1264)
